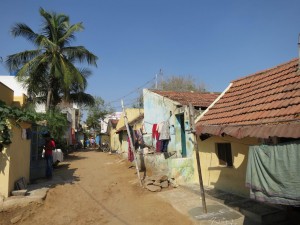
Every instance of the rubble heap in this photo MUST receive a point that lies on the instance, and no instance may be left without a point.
(158, 182)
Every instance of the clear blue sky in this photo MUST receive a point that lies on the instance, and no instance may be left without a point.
(215, 41)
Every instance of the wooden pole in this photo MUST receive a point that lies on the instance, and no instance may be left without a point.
(193, 130)
(131, 143)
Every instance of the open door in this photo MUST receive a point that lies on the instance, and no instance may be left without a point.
(180, 119)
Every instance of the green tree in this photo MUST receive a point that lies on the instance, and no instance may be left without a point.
(181, 83)
(173, 83)
(97, 112)
(49, 71)
(56, 123)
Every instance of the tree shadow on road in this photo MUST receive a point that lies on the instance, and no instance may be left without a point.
(72, 157)
(62, 174)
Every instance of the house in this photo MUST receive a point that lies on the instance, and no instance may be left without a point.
(108, 130)
(255, 118)
(15, 157)
(135, 120)
(71, 110)
(174, 108)
(74, 132)
(104, 122)
(20, 93)
(114, 137)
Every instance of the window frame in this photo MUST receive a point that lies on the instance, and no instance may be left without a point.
(224, 154)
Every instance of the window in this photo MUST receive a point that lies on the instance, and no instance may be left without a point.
(224, 154)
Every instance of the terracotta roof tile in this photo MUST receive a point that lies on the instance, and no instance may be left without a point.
(268, 96)
(199, 99)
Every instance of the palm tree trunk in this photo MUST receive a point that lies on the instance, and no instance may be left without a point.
(49, 95)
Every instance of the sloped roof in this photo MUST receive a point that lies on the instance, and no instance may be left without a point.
(264, 104)
(133, 115)
(199, 99)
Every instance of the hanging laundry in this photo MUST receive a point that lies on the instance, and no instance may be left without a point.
(164, 145)
(164, 130)
(130, 153)
(140, 137)
(158, 144)
(154, 131)
(159, 127)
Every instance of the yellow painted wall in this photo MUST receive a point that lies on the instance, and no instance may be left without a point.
(114, 140)
(14, 161)
(6, 94)
(14, 158)
(230, 179)
(4, 172)
(131, 115)
(124, 144)
(20, 99)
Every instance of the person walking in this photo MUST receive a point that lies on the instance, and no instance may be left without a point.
(49, 146)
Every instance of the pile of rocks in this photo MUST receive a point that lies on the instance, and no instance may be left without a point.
(158, 182)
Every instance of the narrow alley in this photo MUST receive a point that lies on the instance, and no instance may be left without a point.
(98, 188)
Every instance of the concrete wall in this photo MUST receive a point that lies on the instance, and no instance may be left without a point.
(114, 140)
(122, 137)
(179, 168)
(158, 109)
(14, 158)
(124, 143)
(230, 179)
(14, 161)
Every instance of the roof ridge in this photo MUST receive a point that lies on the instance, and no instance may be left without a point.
(266, 70)
(197, 92)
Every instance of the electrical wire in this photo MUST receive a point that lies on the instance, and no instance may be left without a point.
(133, 91)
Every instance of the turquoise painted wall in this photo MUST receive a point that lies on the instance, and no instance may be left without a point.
(158, 109)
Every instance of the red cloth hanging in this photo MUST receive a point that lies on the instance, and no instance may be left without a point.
(154, 131)
(130, 153)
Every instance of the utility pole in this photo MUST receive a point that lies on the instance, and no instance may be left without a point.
(156, 81)
(131, 143)
(193, 130)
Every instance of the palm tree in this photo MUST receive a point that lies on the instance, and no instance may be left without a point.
(49, 71)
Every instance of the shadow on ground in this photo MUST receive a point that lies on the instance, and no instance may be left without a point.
(62, 174)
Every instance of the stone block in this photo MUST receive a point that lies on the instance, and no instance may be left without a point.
(157, 183)
(19, 192)
(153, 188)
(147, 182)
(173, 183)
(164, 184)
(16, 219)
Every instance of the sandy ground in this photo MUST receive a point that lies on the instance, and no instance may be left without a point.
(105, 191)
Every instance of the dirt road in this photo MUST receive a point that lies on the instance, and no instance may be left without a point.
(105, 191)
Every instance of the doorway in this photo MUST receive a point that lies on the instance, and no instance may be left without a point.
(180, 119)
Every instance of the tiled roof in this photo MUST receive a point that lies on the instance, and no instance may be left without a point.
(268, 97)
(199, 99)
